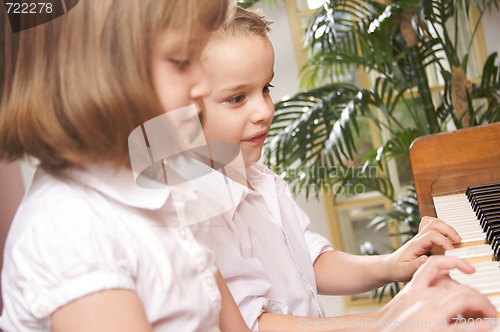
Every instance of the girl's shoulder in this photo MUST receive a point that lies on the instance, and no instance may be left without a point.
(54, 201)
(72, 236)
(63, 214)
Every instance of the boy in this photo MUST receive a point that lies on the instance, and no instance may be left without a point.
(271, 263)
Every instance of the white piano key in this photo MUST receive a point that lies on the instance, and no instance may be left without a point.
(468, 252)
(479, 279)
(488, 288)
(456, 211)
(480, 267)
(495, 301)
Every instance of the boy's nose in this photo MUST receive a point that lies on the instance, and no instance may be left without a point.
(264, 111)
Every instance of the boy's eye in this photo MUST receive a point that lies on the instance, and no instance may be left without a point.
(236, 99)
(267, 87)
(181, 64)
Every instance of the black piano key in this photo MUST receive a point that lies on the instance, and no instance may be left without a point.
(488, 215)
(485, 222)
(489, 221)
(484, 194)
(477, 204)
(490, 224)
(492, 233)
(495, 246)
(496, 253)
(471, 191)
(485, 197)
(487, 210)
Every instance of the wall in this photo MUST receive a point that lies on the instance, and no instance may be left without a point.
(491, 26)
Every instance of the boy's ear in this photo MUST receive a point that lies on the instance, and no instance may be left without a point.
(27, 14)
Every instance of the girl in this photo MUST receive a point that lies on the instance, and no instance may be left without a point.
(271, 263)
(89, 250)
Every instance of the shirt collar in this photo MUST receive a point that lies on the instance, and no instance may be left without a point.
(262, 179)
(120, 186)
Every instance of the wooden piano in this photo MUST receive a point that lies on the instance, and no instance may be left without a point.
(444, 165)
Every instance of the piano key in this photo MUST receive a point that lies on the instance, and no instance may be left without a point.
(456, 211)
(480, 267)
(476, 216)
(495, 301)
(472, 254)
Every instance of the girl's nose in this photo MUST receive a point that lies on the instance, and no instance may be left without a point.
(201, 87)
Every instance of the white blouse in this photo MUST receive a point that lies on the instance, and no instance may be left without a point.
(96, 230)
(265, 252)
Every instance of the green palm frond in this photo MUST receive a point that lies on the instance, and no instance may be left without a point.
(396, 147)
(405, 213)
(316, 127)
(344, 34)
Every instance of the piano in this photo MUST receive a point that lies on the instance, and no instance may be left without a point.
(457, 178)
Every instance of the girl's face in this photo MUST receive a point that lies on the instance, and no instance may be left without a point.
(178, 76)
(240, 109)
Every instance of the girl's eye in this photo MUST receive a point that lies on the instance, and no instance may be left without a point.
(181, 64)
(267, 87)
(236, 99)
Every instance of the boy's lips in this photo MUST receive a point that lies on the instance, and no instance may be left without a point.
(258, 137)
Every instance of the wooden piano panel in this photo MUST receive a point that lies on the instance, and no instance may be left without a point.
(450, 162)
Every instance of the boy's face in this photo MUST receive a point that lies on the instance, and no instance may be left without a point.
(240, 109)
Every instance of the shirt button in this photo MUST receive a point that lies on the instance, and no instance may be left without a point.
(182, 233)
(210, 280)
(215, 329)
(42, 310)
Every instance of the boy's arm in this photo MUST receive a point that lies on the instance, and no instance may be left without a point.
(338, 273)
(230, 316)
(275, 322)
(427, 299)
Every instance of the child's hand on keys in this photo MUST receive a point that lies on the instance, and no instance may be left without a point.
(402, 264)
(433, 303)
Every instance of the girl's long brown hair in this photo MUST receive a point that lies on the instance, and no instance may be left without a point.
(73, 89)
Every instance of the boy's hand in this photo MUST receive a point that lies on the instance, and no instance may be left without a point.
(402, 264)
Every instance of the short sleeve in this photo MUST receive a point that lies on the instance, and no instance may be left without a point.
(316, 243)
(60, 257)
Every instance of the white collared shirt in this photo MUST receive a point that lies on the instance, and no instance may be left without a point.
(96, 230)
(265, 252)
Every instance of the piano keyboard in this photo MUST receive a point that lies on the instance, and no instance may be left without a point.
(475, 215)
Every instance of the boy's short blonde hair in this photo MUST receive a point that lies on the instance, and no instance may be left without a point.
(243, 22)
(73, 89)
